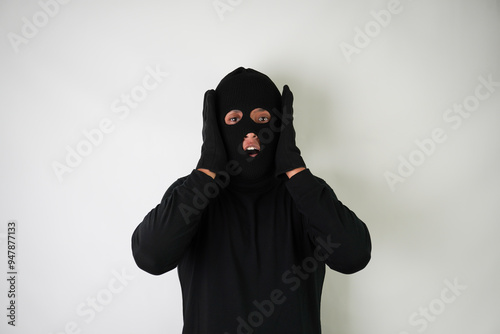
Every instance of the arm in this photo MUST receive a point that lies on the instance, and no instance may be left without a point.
(163, 236)
(166, 232)
(332, 222)
(329, 223)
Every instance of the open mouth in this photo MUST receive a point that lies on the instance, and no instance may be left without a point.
(252, 151)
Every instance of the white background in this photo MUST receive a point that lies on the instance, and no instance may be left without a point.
(356, 116)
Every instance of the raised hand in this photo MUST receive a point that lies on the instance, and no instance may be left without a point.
(213, 155)
(288, 158)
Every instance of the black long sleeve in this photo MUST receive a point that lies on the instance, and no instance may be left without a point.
(247, 257)
(328, 219)
(166, 232)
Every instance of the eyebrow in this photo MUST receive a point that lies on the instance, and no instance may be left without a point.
(259, 110)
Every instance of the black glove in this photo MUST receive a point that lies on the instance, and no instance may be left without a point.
(213, 154)
(287, 153)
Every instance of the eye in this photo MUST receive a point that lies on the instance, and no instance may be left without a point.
(233, 117)
(260, 116)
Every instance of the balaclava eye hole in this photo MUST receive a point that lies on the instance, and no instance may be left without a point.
(245, 90)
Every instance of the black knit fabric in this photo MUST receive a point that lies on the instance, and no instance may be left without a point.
(246, 89)
(251, 257)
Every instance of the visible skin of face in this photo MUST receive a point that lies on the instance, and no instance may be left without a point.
(251, 141)
(258, 115)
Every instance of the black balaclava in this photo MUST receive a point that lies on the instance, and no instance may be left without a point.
(244, 90)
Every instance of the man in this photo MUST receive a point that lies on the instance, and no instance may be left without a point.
(250, 229)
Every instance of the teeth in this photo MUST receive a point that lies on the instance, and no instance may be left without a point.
(251, 150)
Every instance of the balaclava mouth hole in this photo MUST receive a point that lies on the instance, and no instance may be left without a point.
(246, 89)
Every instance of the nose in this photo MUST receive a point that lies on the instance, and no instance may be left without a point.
(251, 135)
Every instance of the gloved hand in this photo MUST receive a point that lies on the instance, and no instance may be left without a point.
(213, 155)
(287, 153)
